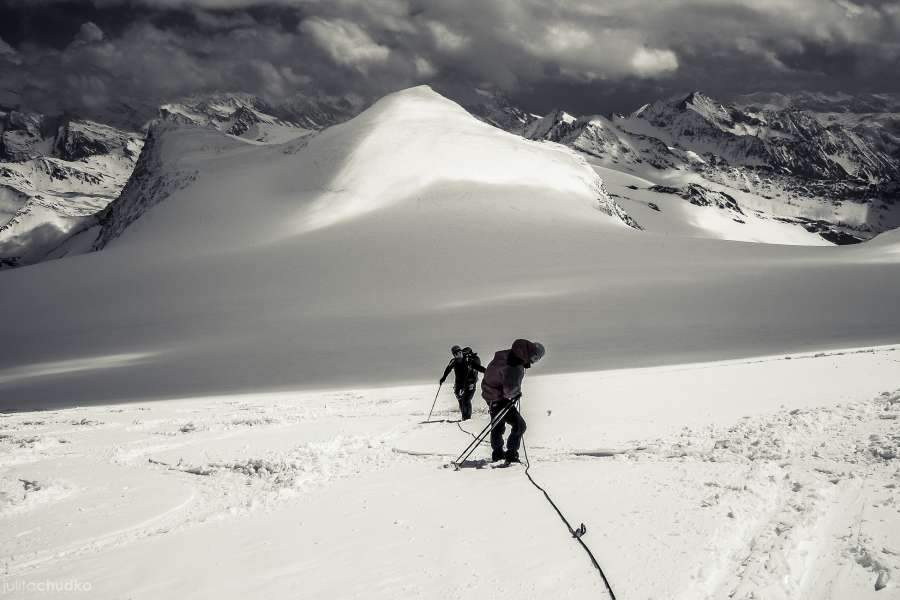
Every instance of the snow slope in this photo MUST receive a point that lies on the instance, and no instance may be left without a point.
(402, 145)
(669, 213)
(736, 479)
(356, 255)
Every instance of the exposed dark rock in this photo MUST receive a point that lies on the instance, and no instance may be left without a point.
(700, 196)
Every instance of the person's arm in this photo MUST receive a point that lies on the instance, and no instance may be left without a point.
(447, 371)
(476, 364)
(512, 381)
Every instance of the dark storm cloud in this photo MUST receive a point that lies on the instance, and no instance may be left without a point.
(587, 56)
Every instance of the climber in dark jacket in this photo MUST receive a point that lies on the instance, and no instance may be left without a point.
(501, 387)
(466, 366)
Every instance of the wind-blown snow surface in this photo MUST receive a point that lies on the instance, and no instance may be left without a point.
(359, 254)
(772, 478)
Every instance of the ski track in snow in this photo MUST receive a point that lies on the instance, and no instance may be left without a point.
(796, 503)
(800, 469)
(235, 484)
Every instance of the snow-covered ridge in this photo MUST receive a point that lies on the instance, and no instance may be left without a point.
(417, 139)
(406, 143)
(154, 178)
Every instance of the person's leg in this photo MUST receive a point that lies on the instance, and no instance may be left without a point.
(460, 394)
(517, 424)
(465, 403)
(497, 433)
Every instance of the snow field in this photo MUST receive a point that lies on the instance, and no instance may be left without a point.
(769, 485)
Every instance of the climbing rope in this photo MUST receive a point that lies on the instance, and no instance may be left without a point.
(472, 435)
(576, 533)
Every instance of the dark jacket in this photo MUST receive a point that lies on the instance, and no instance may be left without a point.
(503, 377)
(465, 369)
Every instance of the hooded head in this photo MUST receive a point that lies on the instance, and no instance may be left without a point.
(528, 352)
(539, 352)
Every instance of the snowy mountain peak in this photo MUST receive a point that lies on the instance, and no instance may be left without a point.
(697, 112)
(700, 102)
(406, 148)
(638, 112)
(24, 135)
(716, 113)
(77, 140)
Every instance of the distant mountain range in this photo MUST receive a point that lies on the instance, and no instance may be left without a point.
(874, 117)
(59, 173)
(55, 175)
(793, 164)
(827, 163)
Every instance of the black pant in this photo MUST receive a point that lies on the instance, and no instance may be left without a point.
(515, 420)
(464, 395)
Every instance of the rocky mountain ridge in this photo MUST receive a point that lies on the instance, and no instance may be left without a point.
(787, 154)
(59, 173)
(56, 172)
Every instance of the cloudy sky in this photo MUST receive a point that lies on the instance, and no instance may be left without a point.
(583, 55)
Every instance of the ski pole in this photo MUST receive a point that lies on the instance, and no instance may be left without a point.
(435, 401)
(476, 439)
(484, 432)
(480, 437)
